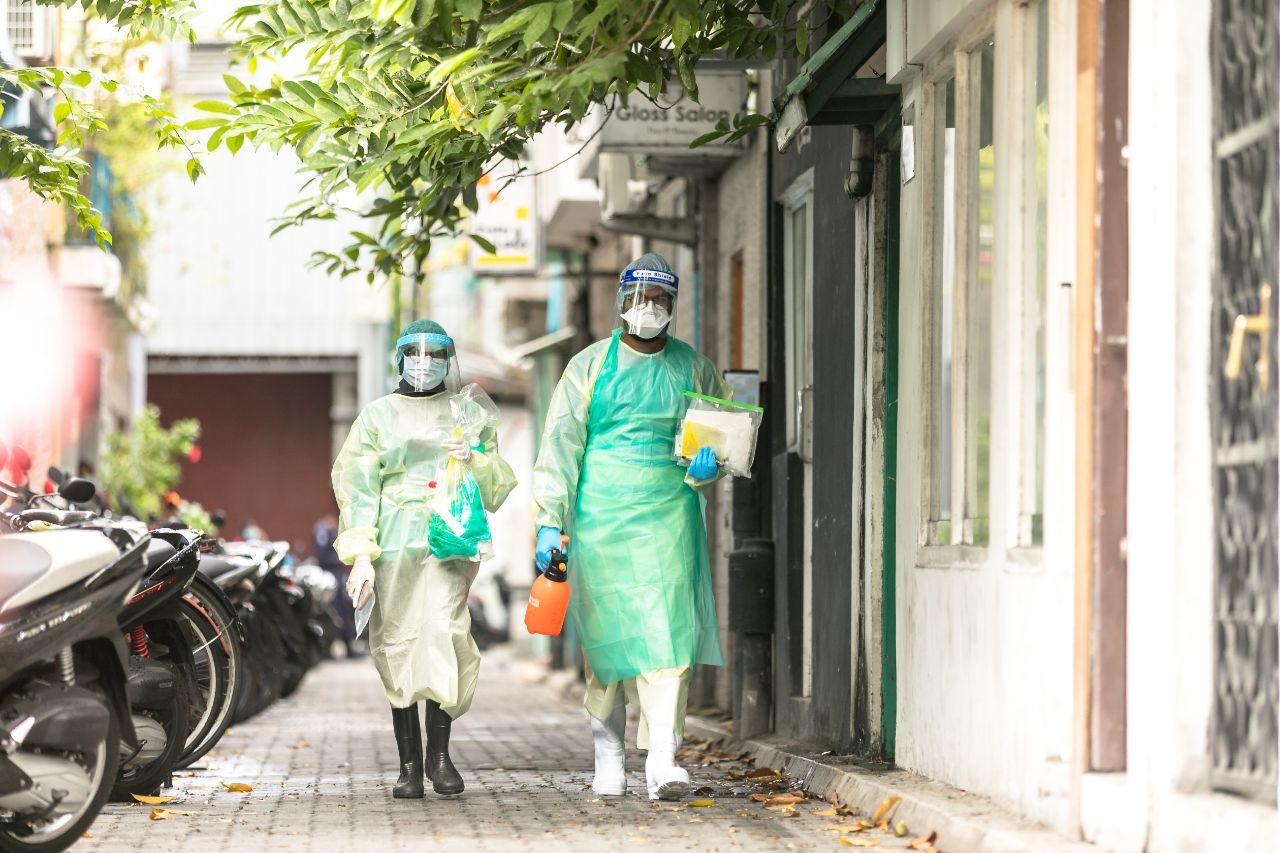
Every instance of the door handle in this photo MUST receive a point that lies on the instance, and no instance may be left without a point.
(1252, 324)
(803, 438)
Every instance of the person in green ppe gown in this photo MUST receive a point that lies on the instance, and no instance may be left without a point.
(641, 596)
(384, 479)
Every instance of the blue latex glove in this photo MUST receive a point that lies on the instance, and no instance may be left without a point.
(548, 539)
(704, 466)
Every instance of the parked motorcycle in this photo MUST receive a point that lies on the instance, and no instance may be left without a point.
(162, 683)
(64, 704)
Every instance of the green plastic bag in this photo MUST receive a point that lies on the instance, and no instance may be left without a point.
(459, 526)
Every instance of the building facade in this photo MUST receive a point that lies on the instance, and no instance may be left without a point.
(1021, 473)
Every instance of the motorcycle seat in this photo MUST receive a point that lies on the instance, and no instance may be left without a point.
(159, 552)
(225, 572)
(35, 565)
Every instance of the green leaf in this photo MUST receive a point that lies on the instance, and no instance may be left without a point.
(681, 30)
(709, 136)
(539, 23)
(215, 107)
(484, 244)
(206, 123)
(61, 111)
(194, 169)
(233, 84)
(687, 78)
(802, 39)
(603, 9)
(451, 64)
(82, 78)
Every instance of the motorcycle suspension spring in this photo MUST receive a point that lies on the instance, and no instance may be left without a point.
(138, 639)
(67, 666)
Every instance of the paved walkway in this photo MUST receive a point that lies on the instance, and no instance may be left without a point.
(321, 767)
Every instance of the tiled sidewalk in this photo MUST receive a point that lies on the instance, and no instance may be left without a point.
(321, 765)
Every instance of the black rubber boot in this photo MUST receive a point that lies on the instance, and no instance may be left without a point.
(409, 742)
(440, 770)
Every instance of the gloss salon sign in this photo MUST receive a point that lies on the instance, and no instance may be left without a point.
(642, 126)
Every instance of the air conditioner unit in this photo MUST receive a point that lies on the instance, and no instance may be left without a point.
(30, 28)
(623, 189)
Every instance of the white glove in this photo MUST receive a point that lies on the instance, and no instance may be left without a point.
(360, 581)
(459, 448)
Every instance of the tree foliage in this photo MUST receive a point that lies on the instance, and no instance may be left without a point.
(82, 94)
(409, 102)
(141, 464)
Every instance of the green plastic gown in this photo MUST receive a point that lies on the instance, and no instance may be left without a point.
(420, 629)
(639, 574)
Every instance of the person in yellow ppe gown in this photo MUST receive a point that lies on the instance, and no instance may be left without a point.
(641, 596)
(385, 480)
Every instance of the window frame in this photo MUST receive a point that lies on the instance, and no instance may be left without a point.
(1030, 452)
(960, 63)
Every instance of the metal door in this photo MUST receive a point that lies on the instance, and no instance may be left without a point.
(1246, 67)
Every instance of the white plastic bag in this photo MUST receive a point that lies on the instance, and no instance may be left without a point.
(728, 428)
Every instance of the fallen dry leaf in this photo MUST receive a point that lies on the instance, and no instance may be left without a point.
(901, 829)
(781, 808)
(302, 744)
(152, 801)
(238, 787)
(763, 773)
(701, 804)
(695, 820)
(824, 812)
(87, 835)
(859, 842)
(163, 814)
(924, 843)
(785, 799)
(885, 808)
(760, 798)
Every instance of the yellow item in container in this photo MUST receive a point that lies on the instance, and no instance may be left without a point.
(695, 436)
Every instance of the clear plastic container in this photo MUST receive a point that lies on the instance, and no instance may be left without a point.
(728, 428)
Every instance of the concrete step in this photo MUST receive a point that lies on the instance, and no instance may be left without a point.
(965, 822)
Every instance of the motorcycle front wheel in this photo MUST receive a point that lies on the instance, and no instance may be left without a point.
(173, 719)
(210, 621)
(62, 830)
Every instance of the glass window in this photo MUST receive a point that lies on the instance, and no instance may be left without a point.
(944, 253)
(979, 285)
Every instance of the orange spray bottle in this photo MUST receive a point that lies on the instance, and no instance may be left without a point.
(549, 597)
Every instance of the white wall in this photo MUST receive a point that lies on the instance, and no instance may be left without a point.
(984, 634)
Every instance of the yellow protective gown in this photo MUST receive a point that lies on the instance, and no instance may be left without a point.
(383, 479)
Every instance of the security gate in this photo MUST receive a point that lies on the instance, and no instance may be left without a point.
(1246, 67)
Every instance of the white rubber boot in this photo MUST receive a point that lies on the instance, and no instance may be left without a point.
(666, 779)
(611, 761)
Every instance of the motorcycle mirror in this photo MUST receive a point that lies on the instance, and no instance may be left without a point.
(76, 490)
(57, 474)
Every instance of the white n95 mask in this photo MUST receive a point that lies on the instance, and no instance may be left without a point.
(646, 320)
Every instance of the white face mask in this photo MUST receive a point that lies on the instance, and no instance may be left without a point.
(423, 372)
(646, 320)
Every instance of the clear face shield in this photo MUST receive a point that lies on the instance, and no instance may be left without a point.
(647, 302)
(428, 362)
